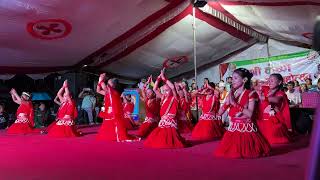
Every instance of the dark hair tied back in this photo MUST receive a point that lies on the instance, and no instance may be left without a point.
(245, 73)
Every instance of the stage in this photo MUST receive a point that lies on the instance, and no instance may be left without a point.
(39, 157)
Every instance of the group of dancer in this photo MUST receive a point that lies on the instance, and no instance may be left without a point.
(257, 118)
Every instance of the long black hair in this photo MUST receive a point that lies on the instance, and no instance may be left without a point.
(212, 85)
(245, 73)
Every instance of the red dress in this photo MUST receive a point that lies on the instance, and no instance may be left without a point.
(113, 127)
(209, 125)
(242, 138)
(274, 127)
(24, 122)
(64, 126)
(152, 117)
(128, 109)
(166, 134)
(184, 117)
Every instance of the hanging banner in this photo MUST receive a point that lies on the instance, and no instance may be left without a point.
(296, 66)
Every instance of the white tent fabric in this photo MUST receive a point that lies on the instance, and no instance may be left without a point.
(177, 40)
(291, 22)
(93, 23)
(133, 38)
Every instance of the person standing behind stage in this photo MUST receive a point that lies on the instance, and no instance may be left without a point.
(228, 83)
(293, 96)
(3, 117)
(88, 103)
(40, 116)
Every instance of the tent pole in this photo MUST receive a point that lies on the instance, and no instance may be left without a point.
(195, 56)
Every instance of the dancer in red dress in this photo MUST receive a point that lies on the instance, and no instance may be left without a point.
(128, 108)
(274, 121)
(166, 134)
(64, 126)
(24, 123)
(210, 125)
(184, 115)
(113, 127)
(242, 138)
(152, 104)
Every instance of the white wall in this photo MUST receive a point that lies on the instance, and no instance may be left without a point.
(258, 50)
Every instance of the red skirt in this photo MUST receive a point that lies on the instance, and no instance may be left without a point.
(166, 138)
(146, 128)
(110, 131)
(207, 130)
(51, 125)
(243, 145)
(20, 128)
(274, 131)
(184, 126)
(62, 130)
(128, 123)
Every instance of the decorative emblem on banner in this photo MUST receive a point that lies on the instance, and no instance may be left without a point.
(175, 62)
(49, 29)
(308, 35)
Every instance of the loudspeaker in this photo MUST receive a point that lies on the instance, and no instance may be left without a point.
(199, 3)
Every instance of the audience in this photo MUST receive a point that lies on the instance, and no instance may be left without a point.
(293, 96)
(309, 83)
(88, 103)
(297, 86)
(40, 116)
(317, 88)
(303, 88)
(228, 83)
(3, 117)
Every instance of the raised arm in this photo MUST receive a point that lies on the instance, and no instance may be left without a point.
(15, 97)
(102, 87)
(185, 92)
(156, 88)
(124, 99)
(169, 83)
(143, 94)
(81, 94)
(144, 89)
(61, 91)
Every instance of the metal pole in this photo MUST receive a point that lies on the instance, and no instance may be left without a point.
(195, 55)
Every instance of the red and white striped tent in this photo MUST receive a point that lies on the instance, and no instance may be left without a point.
(133, 38)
